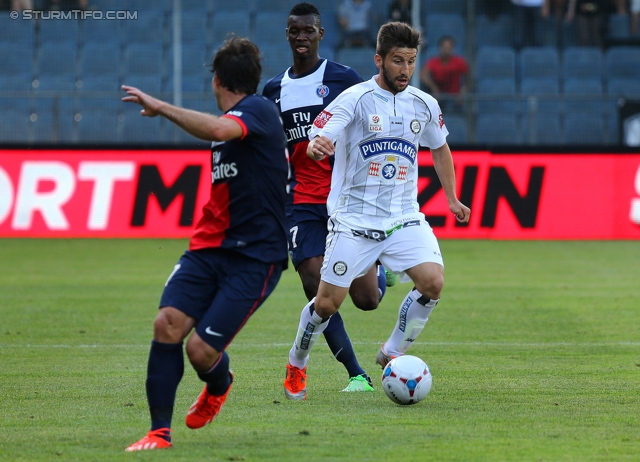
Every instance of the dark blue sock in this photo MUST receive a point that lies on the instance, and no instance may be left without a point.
(164, 372)
(340, 345)
(218, 377)
(382, 280)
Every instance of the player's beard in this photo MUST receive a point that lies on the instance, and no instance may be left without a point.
(390, 82)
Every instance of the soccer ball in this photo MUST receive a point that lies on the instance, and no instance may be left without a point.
(406, 379)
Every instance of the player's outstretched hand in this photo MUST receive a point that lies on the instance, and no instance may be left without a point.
(320, 147)
(461, 211)
(150, 105)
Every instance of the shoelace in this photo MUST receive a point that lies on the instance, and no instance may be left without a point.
(296, 377)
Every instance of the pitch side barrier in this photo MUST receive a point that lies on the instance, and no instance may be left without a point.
(156, 192)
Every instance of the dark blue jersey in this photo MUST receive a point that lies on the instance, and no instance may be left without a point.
(246, 209)
(300, 99)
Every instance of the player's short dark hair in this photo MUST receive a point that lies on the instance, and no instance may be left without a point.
(237, 65)
(303, 9)
(396, 34)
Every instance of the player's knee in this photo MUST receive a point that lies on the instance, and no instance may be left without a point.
(201, 356)
(366, 301)
(324, 307)
(166, 328)
(432, 286)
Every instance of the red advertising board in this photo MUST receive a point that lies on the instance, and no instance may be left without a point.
(159, 193)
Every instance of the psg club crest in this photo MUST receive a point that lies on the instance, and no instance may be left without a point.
(322, 91)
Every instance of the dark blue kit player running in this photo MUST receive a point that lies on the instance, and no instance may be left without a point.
(238, 249)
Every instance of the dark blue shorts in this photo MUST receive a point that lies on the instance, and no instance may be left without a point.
(307, 231)
(221, 289)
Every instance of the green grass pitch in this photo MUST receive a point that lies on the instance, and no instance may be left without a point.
(534, 350)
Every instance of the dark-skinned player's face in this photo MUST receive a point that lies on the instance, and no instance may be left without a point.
(304, 34)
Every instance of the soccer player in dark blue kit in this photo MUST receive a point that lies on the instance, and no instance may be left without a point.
(238, 249)
(301, 92)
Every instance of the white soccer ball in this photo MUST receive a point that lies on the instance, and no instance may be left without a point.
(406, 379)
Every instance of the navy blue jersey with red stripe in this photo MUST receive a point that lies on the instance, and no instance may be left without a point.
(300, 99)
(246, 209)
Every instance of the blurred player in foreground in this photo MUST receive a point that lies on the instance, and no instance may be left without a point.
(374, 129)
(301, 92)
(238, 249)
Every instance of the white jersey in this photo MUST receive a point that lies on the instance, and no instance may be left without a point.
(376, 135)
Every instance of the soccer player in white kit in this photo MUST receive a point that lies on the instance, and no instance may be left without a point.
(373, 130)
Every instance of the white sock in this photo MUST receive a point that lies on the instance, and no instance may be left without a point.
(310, 328)
(412, 316)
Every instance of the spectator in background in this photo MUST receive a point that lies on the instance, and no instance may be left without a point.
(400, 10)
(589, 17)
(635, 16)
(527, 15)
(446, 75)
(16, 5)
(354, 17)
(66, 5)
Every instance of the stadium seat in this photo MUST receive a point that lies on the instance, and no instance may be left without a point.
(582, 63)
(619, 27)
(438, 25)
(226, 22)
(584, 129)
(97, 124)
(538, 62)
(360, 59)
(102, 32)
(457, 126)
(137, 129)
(56, 67)
(540, 95)
(99, 63)
(445, 6)
(542, 129)
(16, 33)
(193, 28)
(143, 59)
(196, 75)
(624, 87)
(583, 96)
(269, 28)
(622, 62)
(494, 32)
(224, 6)
(53, 120)
(16, 71)
(496, 62)
(277, 58)
(496, 129)
(60, 30)
(15, 126)
(497, 96)
(148, 28)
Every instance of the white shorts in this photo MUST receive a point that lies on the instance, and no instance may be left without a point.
(348, 256)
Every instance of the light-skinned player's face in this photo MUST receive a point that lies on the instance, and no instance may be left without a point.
(396, 69)
(304, 34)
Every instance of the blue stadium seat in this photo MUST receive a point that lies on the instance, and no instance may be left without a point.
(16, 71)
(540, 95)
(497, 129)
(269, 28)
(457, 126)
(496, 31)
(104, 32)
(445, 6)
(56, 67)
(360, 59)
(194, 6)
(61, 30)
(587, 96)
(496, 62)
(538, 62)
(224, 6)
(497, 96)
(542, 129)
(53, 120)
(99, 60)
(582, 63)
(148, 28)
(193, 28)
(438, 25)
(619, 27)
(196, 75)
(16, 33)
(547, 30)
(622, 62)
(584, 129)
(97, 123)
(143, 59)
(225, 22)
(15, 126)
(135, 128)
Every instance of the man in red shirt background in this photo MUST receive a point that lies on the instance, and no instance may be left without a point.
(446, 75)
